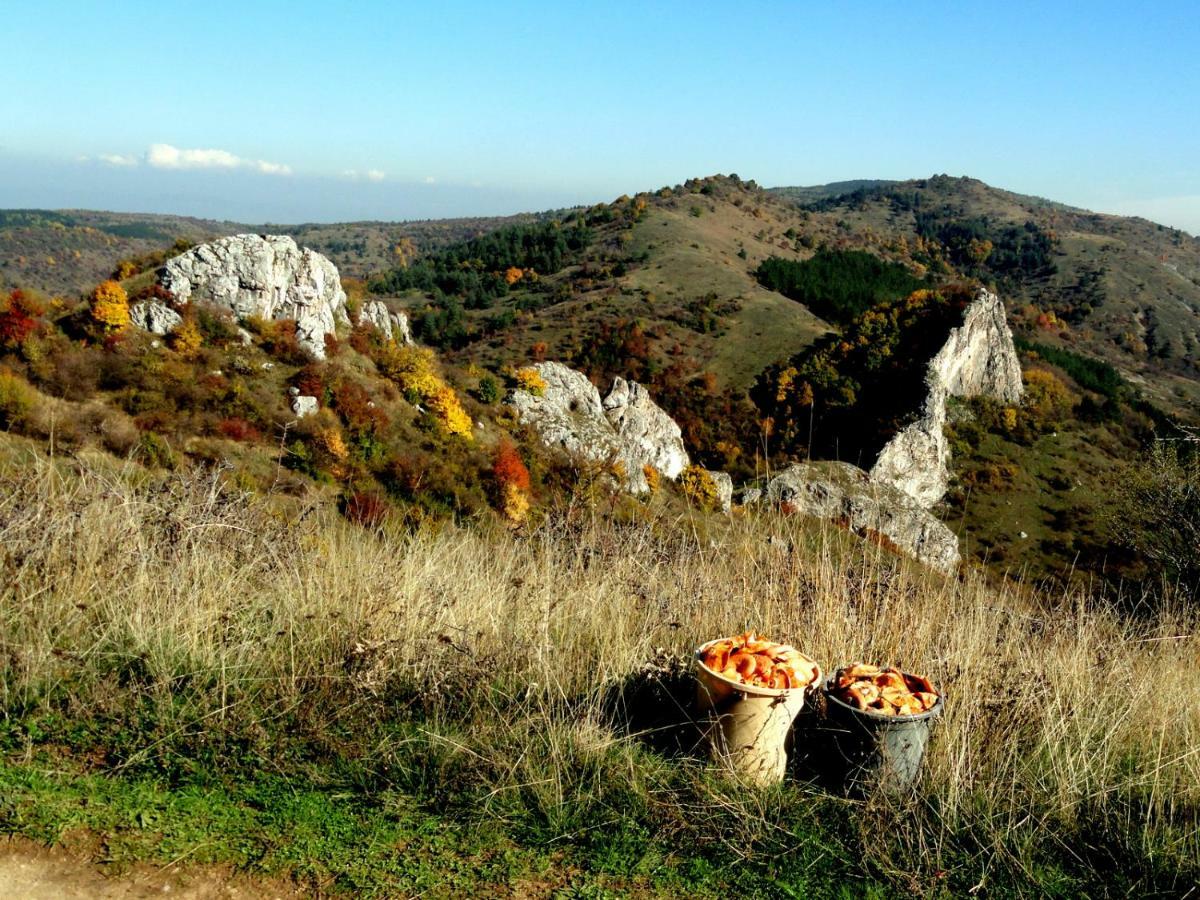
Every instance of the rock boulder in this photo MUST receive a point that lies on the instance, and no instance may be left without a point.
(155, 317)
(266, 276)
(842, 493)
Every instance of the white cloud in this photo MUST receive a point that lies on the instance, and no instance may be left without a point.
(352, 174)
(164, 156)
(374, 175)
(118, 159)
(429, 179)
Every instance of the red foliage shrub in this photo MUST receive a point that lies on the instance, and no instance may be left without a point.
(508, 468)
(357, 409)
(366, 509)
(310, 380)
(238, 429)
(18, 318)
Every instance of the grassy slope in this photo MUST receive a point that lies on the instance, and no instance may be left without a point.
(466, 711)
(691, 257)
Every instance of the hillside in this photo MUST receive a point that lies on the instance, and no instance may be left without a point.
(1123, 289)
(673, 288)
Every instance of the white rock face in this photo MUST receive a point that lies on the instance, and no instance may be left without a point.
(724, 489)
(977, 360)
(390, 324)
(627, 427)
(266, 276)
(843, 493)
(304, 405)
(154, 317)
(645, 432)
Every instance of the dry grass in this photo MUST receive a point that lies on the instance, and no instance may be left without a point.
(1064, 720)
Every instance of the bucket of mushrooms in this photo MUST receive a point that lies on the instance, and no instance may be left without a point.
(750, 689)
(879, 720)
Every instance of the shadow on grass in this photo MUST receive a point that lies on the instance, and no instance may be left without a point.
(657, 707)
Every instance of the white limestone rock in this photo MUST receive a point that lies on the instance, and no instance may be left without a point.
(626, 428)
(266, 276)
(393, 325)
(648, 436)
(724, 485)
(977, 360)
(842, 493)
(155, 317)
(568, 415)
(304, 405)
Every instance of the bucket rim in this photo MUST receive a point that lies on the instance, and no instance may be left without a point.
(754, 689)
(932, 712)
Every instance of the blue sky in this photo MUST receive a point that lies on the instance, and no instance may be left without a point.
(295, 111)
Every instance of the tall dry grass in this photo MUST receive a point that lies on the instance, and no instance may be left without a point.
(1063, 717)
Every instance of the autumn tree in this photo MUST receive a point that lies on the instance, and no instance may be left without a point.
(512, 483)
(110, 307)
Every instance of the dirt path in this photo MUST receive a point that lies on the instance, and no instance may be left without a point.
(31, 872)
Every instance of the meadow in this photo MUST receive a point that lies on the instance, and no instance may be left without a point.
(191, 674)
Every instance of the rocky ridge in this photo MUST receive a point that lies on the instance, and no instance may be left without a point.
(267, 276)
(626, 427)
(845, 494)
(977, 360)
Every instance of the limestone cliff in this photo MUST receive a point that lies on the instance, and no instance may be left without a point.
(977, 360)
(267, 276)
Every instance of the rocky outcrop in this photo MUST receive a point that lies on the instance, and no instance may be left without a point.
(393, 325)
(724, 489)
(845, 494)
(645, 433)
(625, 428)
(977, 360)
(155, 317)
(304, 405)
(267, 276)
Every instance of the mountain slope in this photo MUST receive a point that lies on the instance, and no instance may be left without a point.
(1123, 289)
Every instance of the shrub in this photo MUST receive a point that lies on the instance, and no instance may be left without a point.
(17, 399)
(365, 508)
(1156, 511)
(512, 482)
(529, 379)
(186, 339)
(699, 487)
(488, 390)
(156, 451)
(18, 319)
(444, 405)
(238, 429)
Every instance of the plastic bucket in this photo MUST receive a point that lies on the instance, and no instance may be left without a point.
(873, 750)
(749, 726)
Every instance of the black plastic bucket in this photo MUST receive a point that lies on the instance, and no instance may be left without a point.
(873, 750)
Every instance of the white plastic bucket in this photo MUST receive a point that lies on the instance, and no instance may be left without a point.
(749, 725)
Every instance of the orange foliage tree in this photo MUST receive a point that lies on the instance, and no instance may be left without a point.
(512, 480)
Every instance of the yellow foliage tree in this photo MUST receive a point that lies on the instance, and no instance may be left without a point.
(412, 368)
(444, 405)
(110, 307)
(186, 339)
